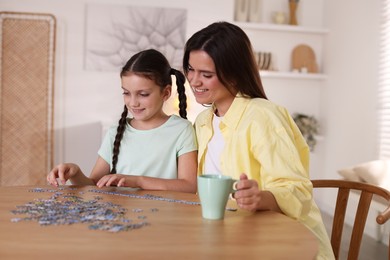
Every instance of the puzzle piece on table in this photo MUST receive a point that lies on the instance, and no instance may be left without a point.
(68, 208)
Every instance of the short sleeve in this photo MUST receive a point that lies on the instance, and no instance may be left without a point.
(105, 150)
(187, 140)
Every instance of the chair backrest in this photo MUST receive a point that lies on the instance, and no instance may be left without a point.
(366, 194)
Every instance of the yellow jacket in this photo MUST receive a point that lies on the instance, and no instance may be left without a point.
(263, 141)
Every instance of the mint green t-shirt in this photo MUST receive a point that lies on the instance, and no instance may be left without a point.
(153, 152)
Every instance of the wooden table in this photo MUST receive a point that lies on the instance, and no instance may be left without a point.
(176, 231)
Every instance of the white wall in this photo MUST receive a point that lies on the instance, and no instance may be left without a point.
(345, 103)
(83, 97)
(350, 97)
(349, 100)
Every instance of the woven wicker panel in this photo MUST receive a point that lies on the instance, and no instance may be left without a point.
(26, 92)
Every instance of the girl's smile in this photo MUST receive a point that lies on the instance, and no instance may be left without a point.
(144, 100)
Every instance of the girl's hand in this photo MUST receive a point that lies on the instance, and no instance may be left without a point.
(63, 172)
(119, 180)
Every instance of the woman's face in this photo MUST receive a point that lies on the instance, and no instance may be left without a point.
(143, 98)
(205, 83)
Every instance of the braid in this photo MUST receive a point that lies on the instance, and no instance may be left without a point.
(118, 138)
(180, 80)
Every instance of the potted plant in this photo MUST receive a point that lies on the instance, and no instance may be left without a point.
(308, 125)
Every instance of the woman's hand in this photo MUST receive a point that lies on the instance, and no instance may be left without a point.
(249, 197)
(63, 172)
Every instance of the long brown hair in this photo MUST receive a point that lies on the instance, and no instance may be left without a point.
(232, 53)
(152, 65)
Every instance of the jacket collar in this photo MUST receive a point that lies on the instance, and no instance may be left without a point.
(236, 111)
(232, 116)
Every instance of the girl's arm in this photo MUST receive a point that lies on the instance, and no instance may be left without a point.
(101, 168)
(67, 171)
(72, 172)
(185, 182)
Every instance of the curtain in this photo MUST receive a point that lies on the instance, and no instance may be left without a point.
(384, 84)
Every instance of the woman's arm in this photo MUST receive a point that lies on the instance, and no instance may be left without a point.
(249, 197)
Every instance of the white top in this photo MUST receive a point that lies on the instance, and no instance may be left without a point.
(214, 149)
(151, 152)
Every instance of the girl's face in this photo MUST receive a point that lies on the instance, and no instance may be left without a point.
(205, 84)
(144, 99)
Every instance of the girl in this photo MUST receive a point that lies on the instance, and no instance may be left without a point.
(246, 136)
(151, 150)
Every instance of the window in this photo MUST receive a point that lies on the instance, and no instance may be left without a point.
(384, 84)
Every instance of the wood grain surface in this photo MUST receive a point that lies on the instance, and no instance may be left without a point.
(176, 231)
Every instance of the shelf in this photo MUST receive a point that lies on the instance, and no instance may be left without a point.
(292, 75)
(281, 28)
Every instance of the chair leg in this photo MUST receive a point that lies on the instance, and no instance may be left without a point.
(380, 230)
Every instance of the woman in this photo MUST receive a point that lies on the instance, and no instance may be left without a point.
(246, 136)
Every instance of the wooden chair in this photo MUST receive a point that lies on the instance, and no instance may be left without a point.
(366, 195)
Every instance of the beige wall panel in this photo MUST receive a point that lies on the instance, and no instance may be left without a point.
(26, 97)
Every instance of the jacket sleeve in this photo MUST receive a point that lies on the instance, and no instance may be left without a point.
(284, 158)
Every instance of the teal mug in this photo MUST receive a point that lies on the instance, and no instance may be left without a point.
(213, 192)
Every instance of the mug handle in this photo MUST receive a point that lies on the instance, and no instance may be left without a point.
(234, 189)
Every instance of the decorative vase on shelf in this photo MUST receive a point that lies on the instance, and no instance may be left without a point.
(241, 10)
(293, 5)
(255, 9)
(279, 17)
